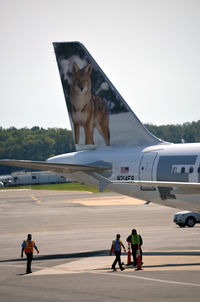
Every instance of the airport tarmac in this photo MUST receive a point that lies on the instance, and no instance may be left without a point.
(74, 230)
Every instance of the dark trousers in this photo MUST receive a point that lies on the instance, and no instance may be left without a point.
(117, 259)
(29, 260)
(134, 253)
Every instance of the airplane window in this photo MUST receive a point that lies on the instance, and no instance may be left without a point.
(191, 169)
(183, 170)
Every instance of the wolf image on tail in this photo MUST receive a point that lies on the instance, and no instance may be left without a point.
(98, 114)
(87, 110)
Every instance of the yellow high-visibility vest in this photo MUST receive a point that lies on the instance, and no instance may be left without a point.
(135, 239)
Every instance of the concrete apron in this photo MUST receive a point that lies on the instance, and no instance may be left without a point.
(103, 264)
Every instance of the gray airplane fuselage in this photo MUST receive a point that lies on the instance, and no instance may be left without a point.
(164, 162)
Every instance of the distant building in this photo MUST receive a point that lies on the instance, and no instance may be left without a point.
(33, 178)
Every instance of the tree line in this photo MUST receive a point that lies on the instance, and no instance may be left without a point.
(185, 133)
(39, 143)
(34, 144)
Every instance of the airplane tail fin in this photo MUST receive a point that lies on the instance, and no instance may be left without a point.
(98, 114)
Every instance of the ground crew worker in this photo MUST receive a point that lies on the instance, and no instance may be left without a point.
(135, 240)
(116, 248)
(27, 247)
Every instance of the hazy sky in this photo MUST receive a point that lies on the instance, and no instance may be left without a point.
(150, 50)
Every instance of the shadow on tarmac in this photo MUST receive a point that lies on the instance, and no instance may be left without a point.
(184, 253)
(131, 267)
(172, 265)
(106, 253)
(62, 256)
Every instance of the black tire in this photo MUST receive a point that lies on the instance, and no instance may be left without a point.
(182, 225)
(190, 222)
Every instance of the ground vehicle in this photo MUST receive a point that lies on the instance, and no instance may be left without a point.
(186, 218)
(1, 184)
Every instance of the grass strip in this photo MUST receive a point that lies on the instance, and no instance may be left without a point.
(74, 186)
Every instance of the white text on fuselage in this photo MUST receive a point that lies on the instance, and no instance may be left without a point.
(125, 177)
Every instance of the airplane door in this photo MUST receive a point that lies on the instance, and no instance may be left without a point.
(146, 166)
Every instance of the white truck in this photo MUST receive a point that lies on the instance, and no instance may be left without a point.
(186, 218)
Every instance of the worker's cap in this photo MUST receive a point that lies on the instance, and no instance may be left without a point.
(134, 231)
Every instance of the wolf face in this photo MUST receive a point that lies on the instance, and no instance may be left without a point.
(88, 111)
(81, 82)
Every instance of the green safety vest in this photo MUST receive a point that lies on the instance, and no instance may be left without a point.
(135, 239)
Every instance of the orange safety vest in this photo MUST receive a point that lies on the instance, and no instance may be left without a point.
(29, 246)
(113, 245)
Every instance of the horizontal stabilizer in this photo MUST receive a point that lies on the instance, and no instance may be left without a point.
(192, 185)
(54, 167)
(178, 187)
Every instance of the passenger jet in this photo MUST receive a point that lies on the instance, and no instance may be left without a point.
(114, 150)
